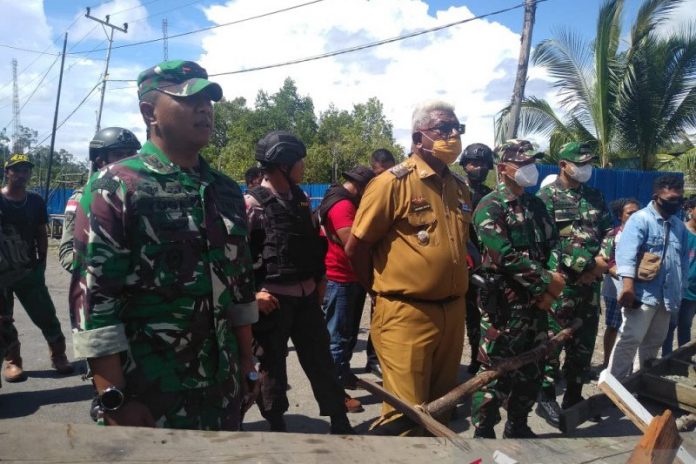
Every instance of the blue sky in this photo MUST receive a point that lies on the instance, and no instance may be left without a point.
(471, 65)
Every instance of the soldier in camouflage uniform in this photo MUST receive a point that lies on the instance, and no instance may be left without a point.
(583, 221)
(162, 285)
(108, 146)
(477, 161)
(517, 239)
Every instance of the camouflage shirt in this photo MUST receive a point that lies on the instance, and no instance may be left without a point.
(162, 271)
(65, 251)
(582, 219)
(517, 239)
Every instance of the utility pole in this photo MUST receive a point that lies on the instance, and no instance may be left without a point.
(165, 42)
(110, 36)
(523, 63)
(55, 122)
(16, 145)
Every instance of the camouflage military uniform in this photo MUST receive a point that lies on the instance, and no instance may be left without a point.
(65, 251)
(583, 221)
(517, 239)
(162, 274)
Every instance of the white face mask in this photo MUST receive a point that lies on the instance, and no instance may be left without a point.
(580, 173)
(527, 175)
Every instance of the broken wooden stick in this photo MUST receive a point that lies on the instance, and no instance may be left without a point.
(424, 415)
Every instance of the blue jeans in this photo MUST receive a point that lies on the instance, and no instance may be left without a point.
(681, 320)
(343, 306)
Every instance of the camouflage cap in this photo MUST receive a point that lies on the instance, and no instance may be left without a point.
(18, 158)
(576, 152)
(178, 78)
(516, 151)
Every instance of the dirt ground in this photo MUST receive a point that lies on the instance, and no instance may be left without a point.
(45, 396)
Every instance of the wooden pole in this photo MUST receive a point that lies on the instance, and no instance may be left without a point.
(55, 122)
(522, 65)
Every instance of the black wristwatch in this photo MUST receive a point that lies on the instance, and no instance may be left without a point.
(111, 399)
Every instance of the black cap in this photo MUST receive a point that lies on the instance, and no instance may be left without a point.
(280, 147)
(361, 175)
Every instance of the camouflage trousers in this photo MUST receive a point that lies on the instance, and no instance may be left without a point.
(211, 408)
(577, 301)
(517, 391)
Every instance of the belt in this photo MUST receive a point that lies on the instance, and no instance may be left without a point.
(410, 299)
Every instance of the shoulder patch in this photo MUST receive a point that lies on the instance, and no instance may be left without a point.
(104, 183)
(400, 170)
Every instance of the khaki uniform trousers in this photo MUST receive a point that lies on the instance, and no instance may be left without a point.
(419, 346)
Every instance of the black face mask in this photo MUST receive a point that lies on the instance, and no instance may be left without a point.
(477, 175)
(670, 207)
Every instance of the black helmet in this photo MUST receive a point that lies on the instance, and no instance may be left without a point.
(477, 151)
(112, 138)
(280, 147)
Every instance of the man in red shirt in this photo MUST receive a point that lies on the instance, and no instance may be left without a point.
(345, 297)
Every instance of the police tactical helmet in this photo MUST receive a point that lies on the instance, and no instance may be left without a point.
(477, 152)
(112, 138)
(280, 147)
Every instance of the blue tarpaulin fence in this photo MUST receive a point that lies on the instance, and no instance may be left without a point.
(613, 183)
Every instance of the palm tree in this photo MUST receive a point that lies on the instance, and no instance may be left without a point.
(627, 103)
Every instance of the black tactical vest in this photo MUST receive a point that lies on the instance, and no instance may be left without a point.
(290, 246)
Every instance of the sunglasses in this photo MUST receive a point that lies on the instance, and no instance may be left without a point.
(446, 129)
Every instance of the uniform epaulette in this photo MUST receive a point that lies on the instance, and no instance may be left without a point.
(460, 178)
(401, 169)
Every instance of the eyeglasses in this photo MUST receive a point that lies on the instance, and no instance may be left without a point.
(444, 130)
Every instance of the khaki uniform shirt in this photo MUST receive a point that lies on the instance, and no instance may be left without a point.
(419, 225)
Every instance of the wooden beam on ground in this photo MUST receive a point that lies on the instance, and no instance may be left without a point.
(642, 419)
(668, 391)
(659, 443)
(424, 415)
(572, 417)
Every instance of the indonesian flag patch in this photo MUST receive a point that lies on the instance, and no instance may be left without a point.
(71, 207)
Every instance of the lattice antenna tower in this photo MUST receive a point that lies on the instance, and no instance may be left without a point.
(16, 144)
(165, 42)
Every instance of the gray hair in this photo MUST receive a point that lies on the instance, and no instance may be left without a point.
(421, 113)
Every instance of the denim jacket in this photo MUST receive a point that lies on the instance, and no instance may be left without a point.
(644, 231)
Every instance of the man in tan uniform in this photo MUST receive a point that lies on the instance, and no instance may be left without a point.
(408, 246)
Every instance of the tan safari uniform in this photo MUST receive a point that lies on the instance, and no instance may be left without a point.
(418, 224)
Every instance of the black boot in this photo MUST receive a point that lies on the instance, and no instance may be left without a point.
(340, 425)
(484, 432)
(548, 408)
(277, 423)
(518, 428)
(573, 395)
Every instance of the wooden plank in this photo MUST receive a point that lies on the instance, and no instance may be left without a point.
(25, 441)
(675, 394)
(635, 411)
(660, 442)
(677, 367)
(624, 400)
(572, 417)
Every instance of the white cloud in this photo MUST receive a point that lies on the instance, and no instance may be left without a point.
(457, 64)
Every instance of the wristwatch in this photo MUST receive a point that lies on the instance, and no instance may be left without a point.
(252, 376)
(111, 398)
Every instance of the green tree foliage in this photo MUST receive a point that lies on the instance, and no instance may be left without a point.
(336, 140)
(626, 102)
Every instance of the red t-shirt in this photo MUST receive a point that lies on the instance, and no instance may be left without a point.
(338, 267)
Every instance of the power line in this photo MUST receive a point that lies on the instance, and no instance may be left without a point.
(169, 10)
(363, 46)
(79, 105)
(196, 31)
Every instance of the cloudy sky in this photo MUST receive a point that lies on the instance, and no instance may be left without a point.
(471, 65)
